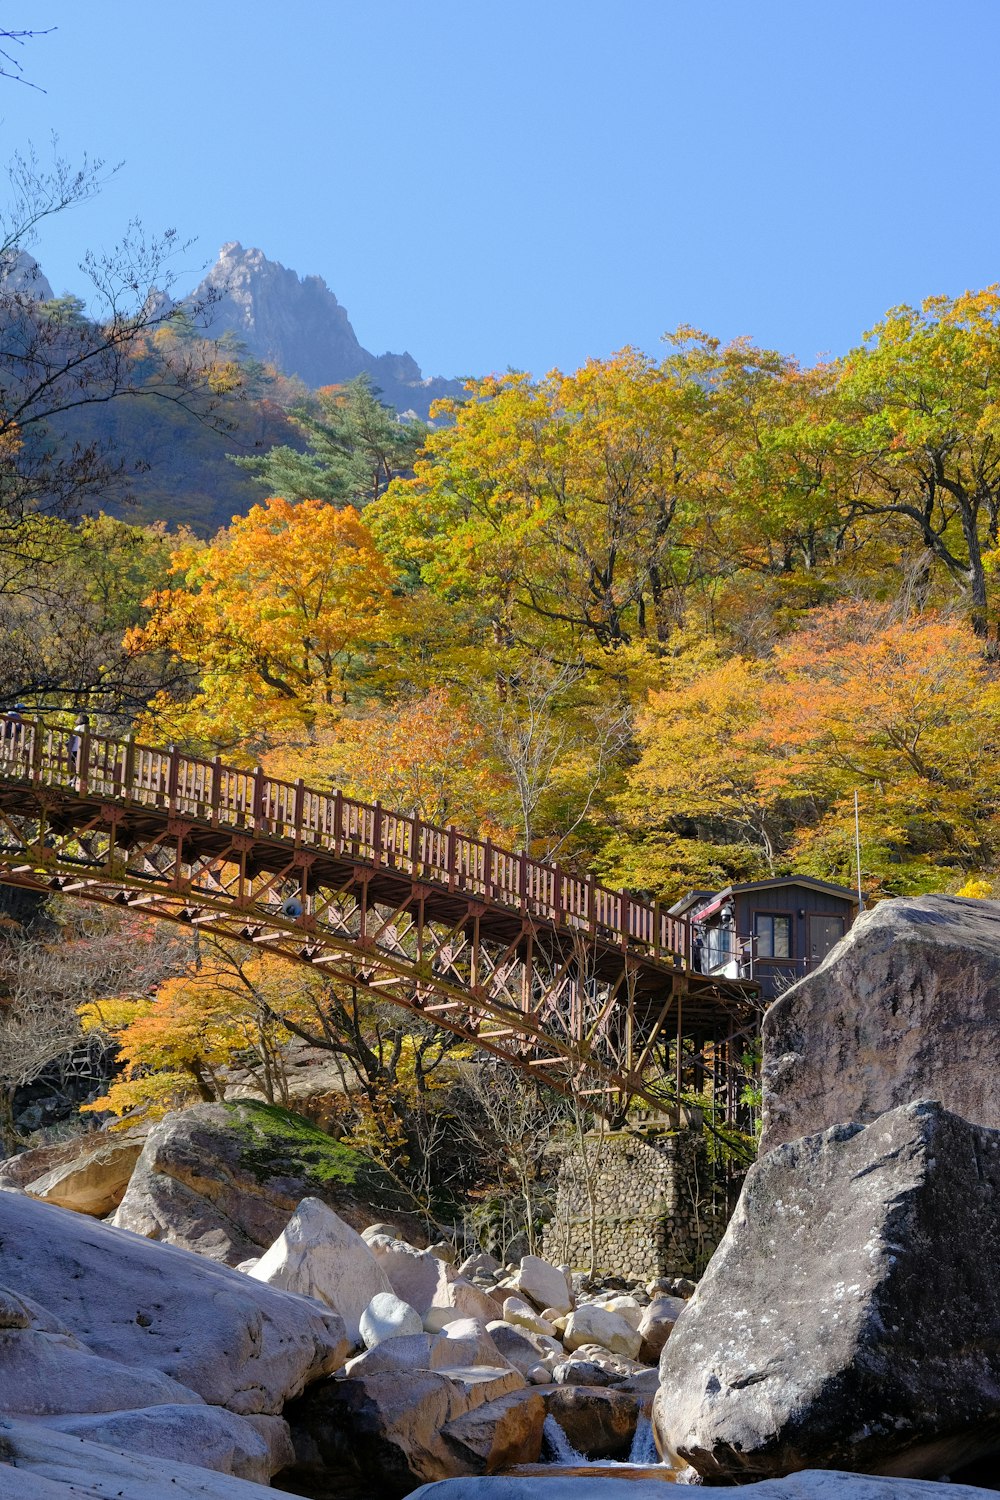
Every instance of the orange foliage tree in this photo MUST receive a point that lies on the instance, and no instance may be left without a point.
(272, 618)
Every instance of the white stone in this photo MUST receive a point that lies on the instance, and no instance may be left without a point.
(388, 1317)
(591, 1324)
(544, 1283)
(434, 1288)
(318, 1255)
(463, 1344)
(540, 1375)
(410, 1351)
(627, 1308)
(518, 1312)
(165, 1312)
(809, 1484)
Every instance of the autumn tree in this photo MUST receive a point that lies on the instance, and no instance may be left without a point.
(569, 504)
(273, 620)
(918, 404)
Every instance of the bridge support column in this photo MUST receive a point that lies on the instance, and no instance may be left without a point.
(657, 1209)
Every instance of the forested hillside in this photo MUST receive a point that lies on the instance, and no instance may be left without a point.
(658, 618)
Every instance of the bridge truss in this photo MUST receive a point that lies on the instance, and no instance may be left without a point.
(586, 989)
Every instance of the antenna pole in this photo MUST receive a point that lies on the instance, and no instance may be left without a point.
(857, 851)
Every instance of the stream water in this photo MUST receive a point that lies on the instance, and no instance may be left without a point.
(559, 1450)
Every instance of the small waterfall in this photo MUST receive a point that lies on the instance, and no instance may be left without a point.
(643, 1449)
(559, 1450)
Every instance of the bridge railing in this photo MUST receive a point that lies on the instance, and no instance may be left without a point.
(185, 786)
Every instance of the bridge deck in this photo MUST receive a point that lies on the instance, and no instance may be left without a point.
(322, 847)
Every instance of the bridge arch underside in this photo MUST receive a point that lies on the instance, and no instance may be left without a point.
(560, 1003)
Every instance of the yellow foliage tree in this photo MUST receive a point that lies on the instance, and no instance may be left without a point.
(272, 618)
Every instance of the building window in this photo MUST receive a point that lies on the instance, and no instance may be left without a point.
(773, 934)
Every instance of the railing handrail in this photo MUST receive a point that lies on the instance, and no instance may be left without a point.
(153, 775)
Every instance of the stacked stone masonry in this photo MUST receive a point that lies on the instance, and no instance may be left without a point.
(656, 1214)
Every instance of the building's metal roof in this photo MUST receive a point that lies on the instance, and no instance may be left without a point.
(684, 906)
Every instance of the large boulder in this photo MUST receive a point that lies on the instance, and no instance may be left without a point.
(544, 1283)
(320, 1256)
(38, 1463)
(657, 1325)
(383, 1433)
(208, 1436)
(224, 1179)
(810, 1485)
(851, 1316)
(162, 1312)
(431, 1285)
(88, 1174)
(592, 1324)
(597, 1423)
(906, 1006)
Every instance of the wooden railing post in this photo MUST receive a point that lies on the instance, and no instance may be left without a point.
(488, 869)
(299, 814)
(452, 857)
(522, 879)
(172, 777)
(83, 763)
(592, 904)
(338, 821)
(416, 846)
(625, 919)
(258, 796)
(377, 835)
(215, 800)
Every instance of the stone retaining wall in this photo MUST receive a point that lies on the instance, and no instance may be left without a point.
(656, 1212)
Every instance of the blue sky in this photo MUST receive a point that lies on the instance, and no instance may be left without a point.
(526, 184)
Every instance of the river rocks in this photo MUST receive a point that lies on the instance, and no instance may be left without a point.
(523, 1349)
(905, 1007)
(517, 1311)
(499, 1434)
(851, 1316)
(88, 1175)
(318, 1255)
(224, 1179)
(657, 1324)
(431, 1285)
(462, 1344)
(387, 1432)
(161, 1312)
(597, 1423)
(545, 1284)
(582, 1372)
(480, 1264)
(591, 1324)
(388, 1317)
(38, 1463)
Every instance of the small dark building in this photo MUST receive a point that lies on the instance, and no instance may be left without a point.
(773, 931)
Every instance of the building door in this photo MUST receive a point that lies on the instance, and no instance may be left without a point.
(824, 934)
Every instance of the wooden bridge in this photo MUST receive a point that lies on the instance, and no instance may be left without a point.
(578, 985)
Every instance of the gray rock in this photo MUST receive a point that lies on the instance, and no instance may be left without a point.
(298, 324)
(851, 1315)
(207, 1436)
(38, 1463)
(162, 1312)
(224, 1179)
(905, 1007)
(383, 1433)
(583, 1372)
(598, 1423)
(657, 1325)
(809, 1485)
(388, 1317)
(318, 1255)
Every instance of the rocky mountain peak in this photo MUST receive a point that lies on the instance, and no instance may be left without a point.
(296, 323)
(22, 276)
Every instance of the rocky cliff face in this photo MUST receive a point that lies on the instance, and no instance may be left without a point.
(22, 276)
(298, 325)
